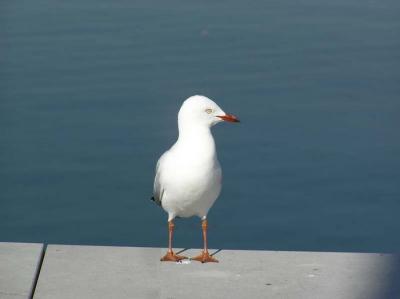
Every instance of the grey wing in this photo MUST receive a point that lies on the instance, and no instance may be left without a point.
(158, 191)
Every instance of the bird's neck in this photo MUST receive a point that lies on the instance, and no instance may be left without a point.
(197, 139)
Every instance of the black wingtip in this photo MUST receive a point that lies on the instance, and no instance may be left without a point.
(158, 202)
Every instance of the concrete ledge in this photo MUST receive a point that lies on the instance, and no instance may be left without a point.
(133, 272)
(126, 272)
(19, 264)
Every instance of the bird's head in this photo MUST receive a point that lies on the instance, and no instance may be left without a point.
(201, 111)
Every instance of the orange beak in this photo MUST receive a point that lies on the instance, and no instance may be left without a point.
(229, 117)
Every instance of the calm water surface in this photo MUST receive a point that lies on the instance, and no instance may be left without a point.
(89, 92)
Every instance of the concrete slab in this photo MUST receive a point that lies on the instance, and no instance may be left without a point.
(125, 272)
(19, 264)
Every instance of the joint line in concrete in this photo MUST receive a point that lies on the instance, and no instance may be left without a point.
(37, 272)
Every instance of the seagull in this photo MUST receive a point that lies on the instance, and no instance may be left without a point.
(188, 176)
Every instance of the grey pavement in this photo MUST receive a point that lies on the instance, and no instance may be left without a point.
(71, 272)
(19, 263)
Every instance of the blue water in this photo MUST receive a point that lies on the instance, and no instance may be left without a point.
(89, 92)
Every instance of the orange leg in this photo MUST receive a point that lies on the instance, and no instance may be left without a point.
(205, 256)
(170, 255)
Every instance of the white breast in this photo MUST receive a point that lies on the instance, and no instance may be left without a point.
(190, 177)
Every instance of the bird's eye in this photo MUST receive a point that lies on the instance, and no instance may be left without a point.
(208, 110)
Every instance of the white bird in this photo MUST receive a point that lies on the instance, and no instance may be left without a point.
(188, 176)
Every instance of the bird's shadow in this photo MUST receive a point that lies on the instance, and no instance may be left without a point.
(212, 254)
(215, 252)
(183, 250)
